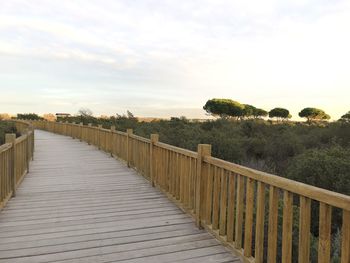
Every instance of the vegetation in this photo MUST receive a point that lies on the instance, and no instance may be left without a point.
(29, 116)
(326, 168)
(4, 116)
(346, 117)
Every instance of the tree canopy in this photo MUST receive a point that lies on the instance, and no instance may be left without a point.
(251, 111)
(224, 108)
(86, 112)
(279, 113)
(313, 114)
(260, 113)
(346, 117)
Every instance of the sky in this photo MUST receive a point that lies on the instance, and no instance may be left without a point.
(167, 58)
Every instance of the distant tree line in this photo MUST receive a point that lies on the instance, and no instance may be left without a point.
(227, 108)
(29, 116)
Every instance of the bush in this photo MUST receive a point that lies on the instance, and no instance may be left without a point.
(6, 127)
(325, 168)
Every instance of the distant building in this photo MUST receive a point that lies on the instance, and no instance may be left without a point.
(62, 115)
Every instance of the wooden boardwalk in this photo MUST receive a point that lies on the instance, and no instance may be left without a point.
(77, 204)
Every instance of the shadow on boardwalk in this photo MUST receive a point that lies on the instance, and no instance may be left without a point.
(77, 204)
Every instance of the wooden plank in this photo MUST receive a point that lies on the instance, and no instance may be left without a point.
(324, 240)
(304, 229)
(165, 254)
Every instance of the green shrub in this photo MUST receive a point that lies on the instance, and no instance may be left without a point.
(6, 127)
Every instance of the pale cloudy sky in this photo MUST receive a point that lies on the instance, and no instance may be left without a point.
(167, 57)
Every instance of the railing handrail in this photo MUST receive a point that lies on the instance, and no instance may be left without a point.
(5, 146)
(177, 149)
(316, 193)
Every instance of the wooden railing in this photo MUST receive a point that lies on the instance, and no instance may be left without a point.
(252, 212)
(15, 156)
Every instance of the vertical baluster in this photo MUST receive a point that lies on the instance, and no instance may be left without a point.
(223, 202)
(182, 178)
(209, 196)
(176, 175)
(324, 240)
(239, 211)
(231, 206)
(273, 225)
(287, 227)
(216, 198)
(304, 229)
(190, 183)
(248, 231)
(259, 228)
(345, 248)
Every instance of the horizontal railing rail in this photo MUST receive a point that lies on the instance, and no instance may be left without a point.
(15, 156)
(260, 216)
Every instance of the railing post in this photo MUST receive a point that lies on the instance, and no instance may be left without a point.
(89, 133)
(60, 128)
(32, 142)
(154, 139)
(99, 136)
(111, 141)
(203, 150)
(81, 131)
(72, 130)
(11, 138)
(128, 146)
(65, 124)
(28, 150)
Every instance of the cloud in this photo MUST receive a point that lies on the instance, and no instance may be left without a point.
(177, 53)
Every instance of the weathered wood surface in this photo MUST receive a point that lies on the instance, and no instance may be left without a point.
(78, 204)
